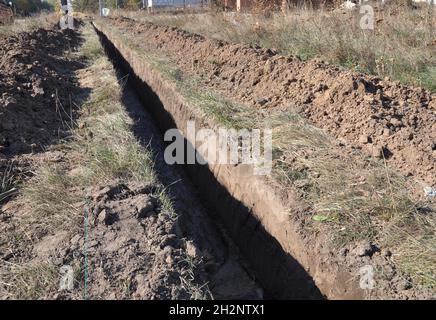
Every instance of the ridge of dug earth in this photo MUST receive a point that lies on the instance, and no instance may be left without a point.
(378, 116)
(261, 220)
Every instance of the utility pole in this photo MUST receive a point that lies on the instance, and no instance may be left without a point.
(100, 7)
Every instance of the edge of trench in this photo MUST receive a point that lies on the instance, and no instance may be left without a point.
(246, 207)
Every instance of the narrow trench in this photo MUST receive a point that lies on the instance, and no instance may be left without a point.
(194, 221)
(278, 273)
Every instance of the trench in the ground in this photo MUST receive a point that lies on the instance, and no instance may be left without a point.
(280, 274)
(193, 220)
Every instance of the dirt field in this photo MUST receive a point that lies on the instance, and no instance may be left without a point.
(86, 192)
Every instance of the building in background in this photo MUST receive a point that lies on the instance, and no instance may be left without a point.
(258, 5)
(268, 5)
(160, 4)
(6, 13)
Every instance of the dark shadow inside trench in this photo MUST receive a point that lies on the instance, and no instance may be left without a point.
(281, 276)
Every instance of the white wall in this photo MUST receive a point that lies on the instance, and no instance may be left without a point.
(179, 3)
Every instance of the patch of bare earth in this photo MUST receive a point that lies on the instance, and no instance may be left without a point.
(36, 89)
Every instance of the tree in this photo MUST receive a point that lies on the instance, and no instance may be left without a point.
(26, 7)
(85, 5)
(133, 4)
(92, 5)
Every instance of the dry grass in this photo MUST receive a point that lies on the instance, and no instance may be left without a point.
(189, 283)
(29, 24)
(91, 50)
(53, 206)
(104, 134)
(361, 199)
(401, 46)
(7, 182)
(28, 281)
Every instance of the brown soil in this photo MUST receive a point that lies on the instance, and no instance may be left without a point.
(136, 250)
(381, 117)
(36, 89)
(6, 15)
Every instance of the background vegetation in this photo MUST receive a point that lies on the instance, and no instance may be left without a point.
(400, 47)
(28, 7)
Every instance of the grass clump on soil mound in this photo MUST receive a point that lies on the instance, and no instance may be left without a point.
(7, 181)
(351, 197)
(400, 47)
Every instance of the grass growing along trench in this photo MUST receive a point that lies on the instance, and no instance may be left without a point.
(351, 197)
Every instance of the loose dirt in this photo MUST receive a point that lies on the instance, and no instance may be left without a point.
(383, 118)
(37, 84)
(135, 249)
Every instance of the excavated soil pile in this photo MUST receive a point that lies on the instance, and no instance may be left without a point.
(36, 85)
(381, 117)
(132, 240)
